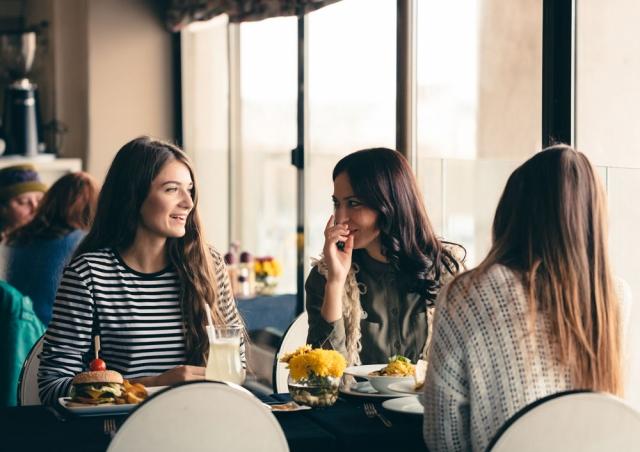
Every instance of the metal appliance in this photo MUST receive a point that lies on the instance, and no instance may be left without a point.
(21, 126)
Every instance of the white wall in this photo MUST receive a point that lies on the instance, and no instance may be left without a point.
(104, 69)
(130, 89)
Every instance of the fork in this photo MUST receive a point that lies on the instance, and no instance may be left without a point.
(371, 412)
(110, 427)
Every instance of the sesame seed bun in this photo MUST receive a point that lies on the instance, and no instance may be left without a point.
(101, 376)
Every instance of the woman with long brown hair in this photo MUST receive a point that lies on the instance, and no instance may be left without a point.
(140, 279)
(382, 264)
(36, 253)
(538, 316)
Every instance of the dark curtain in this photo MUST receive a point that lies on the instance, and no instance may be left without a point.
(181, 13)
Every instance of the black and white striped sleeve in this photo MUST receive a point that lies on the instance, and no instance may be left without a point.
(68, 336)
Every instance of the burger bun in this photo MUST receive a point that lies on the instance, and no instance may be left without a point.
(98, 376)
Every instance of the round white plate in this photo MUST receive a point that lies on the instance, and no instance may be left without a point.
(364, 389)
(363, 371)
(405, 387)
(407, 405)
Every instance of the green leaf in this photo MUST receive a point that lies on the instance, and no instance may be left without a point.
(404, 359)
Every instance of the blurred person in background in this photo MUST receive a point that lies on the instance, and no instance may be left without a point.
(34, 255)
(20, 192)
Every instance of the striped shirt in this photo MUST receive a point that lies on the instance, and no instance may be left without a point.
(137, 315)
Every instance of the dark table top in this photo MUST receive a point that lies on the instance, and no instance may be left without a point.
(342, 427)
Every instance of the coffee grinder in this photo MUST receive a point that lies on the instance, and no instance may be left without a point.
(21, 128)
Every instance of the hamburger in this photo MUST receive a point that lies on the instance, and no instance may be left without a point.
(97, 387)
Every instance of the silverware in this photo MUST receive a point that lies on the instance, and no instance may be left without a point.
(371, 412)
(55, 413)
(110, 427)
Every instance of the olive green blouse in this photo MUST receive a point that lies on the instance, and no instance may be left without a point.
(393, 321)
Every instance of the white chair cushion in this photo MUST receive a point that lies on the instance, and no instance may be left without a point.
(28, 392)
(585, 421)
(201, 416)
(294, 337)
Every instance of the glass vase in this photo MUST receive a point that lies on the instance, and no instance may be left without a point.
(314, 391)
(266, 285)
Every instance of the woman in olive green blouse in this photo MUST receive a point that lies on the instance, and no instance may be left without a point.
(382, 265)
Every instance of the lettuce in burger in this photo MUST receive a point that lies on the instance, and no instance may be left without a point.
(97, 387)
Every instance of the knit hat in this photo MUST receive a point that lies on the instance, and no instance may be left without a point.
(18, 179)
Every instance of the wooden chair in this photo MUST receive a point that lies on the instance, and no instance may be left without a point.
(571, 421)
(294, 337)
(201, 416)
(28, 393)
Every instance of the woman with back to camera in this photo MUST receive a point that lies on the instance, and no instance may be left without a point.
(382, 264)
(35, 254)
(20, 192)
(538, 316)
(140, 279)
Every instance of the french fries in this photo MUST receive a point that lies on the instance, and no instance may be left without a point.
(132, 393)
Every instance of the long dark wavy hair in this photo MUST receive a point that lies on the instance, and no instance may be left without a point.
(550, 227)
(382, 180)
(125, 188)
(69, 204)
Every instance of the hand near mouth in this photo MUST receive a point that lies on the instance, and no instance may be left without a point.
(338, 249)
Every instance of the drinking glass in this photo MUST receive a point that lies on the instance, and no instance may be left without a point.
(224, 362)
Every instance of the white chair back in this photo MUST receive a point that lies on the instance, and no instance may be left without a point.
(28, 393)
(201, 416)
(294, 337)
(575, 421)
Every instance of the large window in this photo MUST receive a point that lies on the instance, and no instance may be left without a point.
(479, 115)
(607, 99)
(205, 111)
(263, 193)
(478, 109)
(352, 70)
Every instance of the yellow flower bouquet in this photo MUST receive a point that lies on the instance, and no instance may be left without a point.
(314, 375)
(268, 270)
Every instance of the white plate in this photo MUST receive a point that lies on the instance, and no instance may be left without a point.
(364, 389)
(103, 410)
(407, 405)
(405, 387)
(286, 407)
(363, 371)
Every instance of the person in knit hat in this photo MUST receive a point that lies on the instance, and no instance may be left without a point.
(20, 192)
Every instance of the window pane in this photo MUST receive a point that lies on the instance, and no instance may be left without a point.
(607, 99)
(264, 186)
(352, 83)
(205, 110)
(479, 98)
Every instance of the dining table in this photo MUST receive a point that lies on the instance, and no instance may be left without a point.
(344, 426)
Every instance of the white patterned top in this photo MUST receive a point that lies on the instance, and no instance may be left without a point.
(483, 366)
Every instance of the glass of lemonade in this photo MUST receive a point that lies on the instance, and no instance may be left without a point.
(224, 362)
